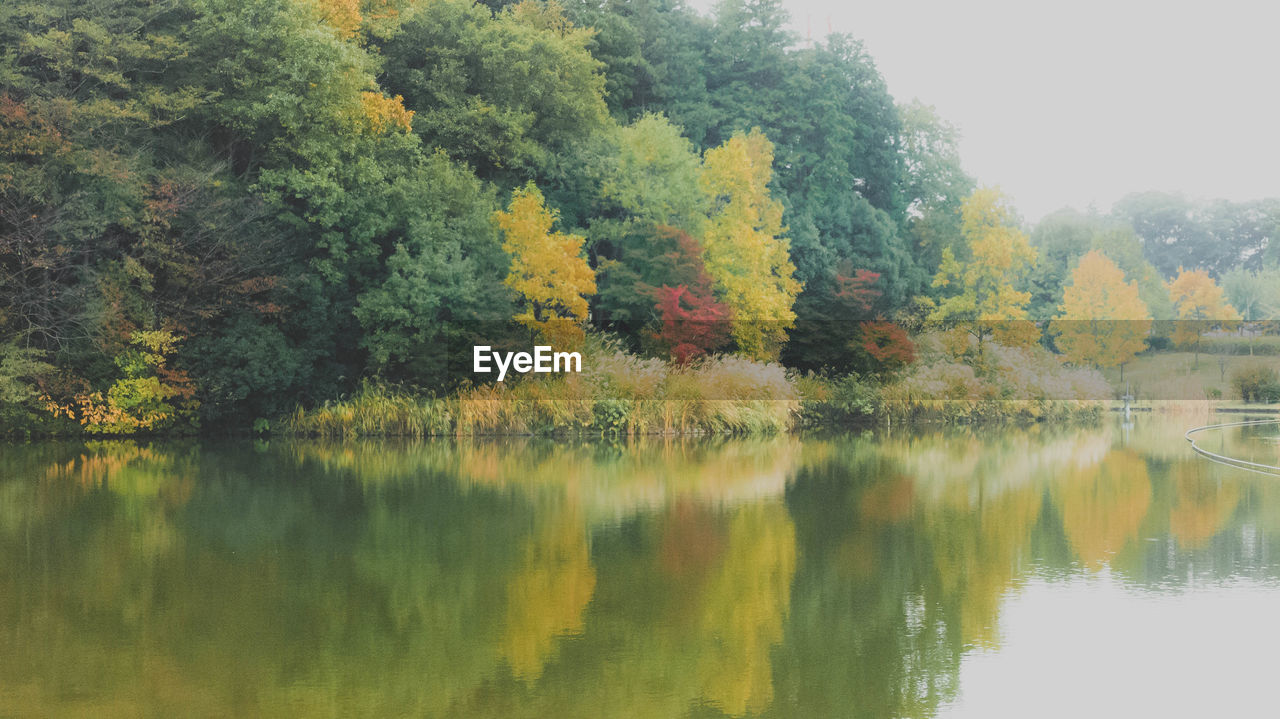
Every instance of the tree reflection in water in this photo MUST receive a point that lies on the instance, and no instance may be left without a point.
(836, 576)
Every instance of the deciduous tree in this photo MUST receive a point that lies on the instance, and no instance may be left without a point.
(548, 271)
(1200, 305)
(1101, 321)
(744, 249)
(984, 302)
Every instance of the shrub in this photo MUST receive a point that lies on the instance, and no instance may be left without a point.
(1256, 382)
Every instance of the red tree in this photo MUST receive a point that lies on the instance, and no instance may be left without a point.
(693, 321)
(888, 344)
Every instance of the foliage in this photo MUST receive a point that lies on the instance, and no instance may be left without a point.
(547, 269)
(1103, 322)
(743, 248)
(20, 368)
(443, 275)
(982, 299)
(1256, 382)
(1200, 305)
(503, 93)
(1216, 236)
(693, 330)
(888, 344)
(1256, 294)
(306, 192)
(149, 395)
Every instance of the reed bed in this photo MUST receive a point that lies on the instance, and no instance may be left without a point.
(618, 393)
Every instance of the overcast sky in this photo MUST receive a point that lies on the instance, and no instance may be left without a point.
(1079, 103)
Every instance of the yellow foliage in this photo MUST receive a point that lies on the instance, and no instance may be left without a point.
(547, 597)
(1102, 320)
(382, 114)
(547, 269)
(745, 603)
(341, 15)
(140, 400)
(743, 249)
(999, 255)
(1103, 507)
(1199, 305)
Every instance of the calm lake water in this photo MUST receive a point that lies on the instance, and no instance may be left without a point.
(1101, 571)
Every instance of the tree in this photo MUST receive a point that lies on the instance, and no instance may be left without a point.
(984, 302)
(692, 321)
(692, 324)
(1256, 294)
(1215, 236)
(653, 176)
(933, 184)
(548, 271)
(1102, 320)
(648, 196)
(743, 248)
(888, 344)
(442, 287)
(1060, 239)
(506, 93)
(1200, 305)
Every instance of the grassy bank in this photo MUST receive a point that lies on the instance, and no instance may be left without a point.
(1181, 376)
(622, 394)
(617, 394)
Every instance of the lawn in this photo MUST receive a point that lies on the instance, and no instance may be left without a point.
(1178, 376)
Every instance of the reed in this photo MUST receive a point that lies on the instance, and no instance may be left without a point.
(619, 394)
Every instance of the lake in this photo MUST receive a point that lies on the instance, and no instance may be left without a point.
(1048, 571)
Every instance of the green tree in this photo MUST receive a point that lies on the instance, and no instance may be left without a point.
(505, 93)
(933, 184)
(442, 286)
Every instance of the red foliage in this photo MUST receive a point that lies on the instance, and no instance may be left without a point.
(692, 325)
(855, 290)
(693, 321)
(888, 343)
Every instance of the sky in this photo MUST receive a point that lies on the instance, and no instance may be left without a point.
(1080, 103)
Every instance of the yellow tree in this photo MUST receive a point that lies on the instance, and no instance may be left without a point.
(1103, 321)
(547, 269)
(985, 303)
(1199, 305)
(743, 247)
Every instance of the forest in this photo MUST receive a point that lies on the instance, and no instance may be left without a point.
(218, 213)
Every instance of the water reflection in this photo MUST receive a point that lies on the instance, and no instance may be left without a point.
(841, 576)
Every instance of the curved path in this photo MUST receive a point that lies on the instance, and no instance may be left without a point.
(1232, 461)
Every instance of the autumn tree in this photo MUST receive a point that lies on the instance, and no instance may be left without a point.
(692, 321)
(1102, 321)
(984, 302)
(887, 343)
(548, 271)
(649, 203)
(1199, 305)
(744, 250)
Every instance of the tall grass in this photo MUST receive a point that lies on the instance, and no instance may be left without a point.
(1008, 383)
(617, 393)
